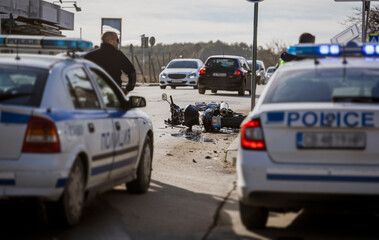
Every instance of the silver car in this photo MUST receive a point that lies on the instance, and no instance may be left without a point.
(180, 72)
(269, 72)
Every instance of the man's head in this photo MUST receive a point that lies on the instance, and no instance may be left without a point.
(307, 38)
(110, 38)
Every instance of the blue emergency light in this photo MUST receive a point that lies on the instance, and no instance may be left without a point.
(312, 50)
(42, 42)
(334, 50)
(370, 49)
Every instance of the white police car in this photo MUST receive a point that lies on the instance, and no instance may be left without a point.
(312, 139)
(67, 130)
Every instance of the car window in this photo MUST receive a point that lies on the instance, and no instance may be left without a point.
(222, 63)
(270, 70)
(244, 64)
(258, 66)
(183, 64)
(322, 85)
(108, 90)
(22, 86)
(81, 90)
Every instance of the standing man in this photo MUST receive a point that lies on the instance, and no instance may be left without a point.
(286, 57)
(113, 61)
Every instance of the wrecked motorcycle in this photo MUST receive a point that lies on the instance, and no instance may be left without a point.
(212, 116)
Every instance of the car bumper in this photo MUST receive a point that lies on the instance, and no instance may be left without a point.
(177, 82)
(40, 176)
(221, 83)
(262, 182)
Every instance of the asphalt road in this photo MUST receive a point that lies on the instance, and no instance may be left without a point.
(192, 195)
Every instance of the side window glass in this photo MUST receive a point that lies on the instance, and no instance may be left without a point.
(108, 93)
(245, 65)
(81, 90)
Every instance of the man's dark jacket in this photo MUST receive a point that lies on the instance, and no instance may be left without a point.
(113, 62)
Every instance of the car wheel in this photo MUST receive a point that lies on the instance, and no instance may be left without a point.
(201, 90)
(142, 182)
(232, 122)
(68, 210)
(214, 91)
(241, 92)
(253, 217)
(162, 87)
(173, 87)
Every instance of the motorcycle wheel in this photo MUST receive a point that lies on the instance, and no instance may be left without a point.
(232, 122)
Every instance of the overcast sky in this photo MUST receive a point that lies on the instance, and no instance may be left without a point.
(229, 21)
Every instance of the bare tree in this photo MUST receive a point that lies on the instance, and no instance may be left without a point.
(373, 19)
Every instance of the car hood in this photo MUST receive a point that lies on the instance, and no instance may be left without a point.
(180, 70)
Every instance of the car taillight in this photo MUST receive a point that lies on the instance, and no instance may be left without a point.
(203, 71)
(252, 136)
(41, 137)
(237, 73)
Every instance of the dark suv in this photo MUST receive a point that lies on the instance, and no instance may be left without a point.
(230, 73)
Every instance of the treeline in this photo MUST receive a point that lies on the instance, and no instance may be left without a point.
(149, 61)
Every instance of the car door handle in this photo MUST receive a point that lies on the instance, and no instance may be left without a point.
(118, 127)
(91, 127)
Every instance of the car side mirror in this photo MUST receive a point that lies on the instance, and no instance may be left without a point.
(136, 102)
(164, 96)
(163, 67)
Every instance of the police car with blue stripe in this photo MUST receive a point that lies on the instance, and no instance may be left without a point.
(312, 139)
(67, 130)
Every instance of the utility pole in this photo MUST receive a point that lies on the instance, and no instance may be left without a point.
(254, 63)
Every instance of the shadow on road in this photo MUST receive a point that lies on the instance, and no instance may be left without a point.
(165, 212)
(312, 224)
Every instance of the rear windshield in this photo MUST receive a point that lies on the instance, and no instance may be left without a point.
(183, 64)
(324, 85)
(21, 85)
(222, 63)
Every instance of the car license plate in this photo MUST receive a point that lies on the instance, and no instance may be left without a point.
(331, 140)
(216, 121)
(219, 74)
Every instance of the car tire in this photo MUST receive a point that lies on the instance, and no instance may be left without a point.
(68, 210)
(214, 91)
(201, 91)
(232, 122)
(253, 217)
(142, 182)
(241, 92)
(173, 87)
(162, 87)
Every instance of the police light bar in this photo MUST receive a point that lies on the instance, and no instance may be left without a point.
(334, 50)
(42, 42)
(370, 49)
(312, 50)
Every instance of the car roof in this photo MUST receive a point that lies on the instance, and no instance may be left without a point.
(326, 63)
(185, 59)
(251, 61)
(225, 56)
(31, 60)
